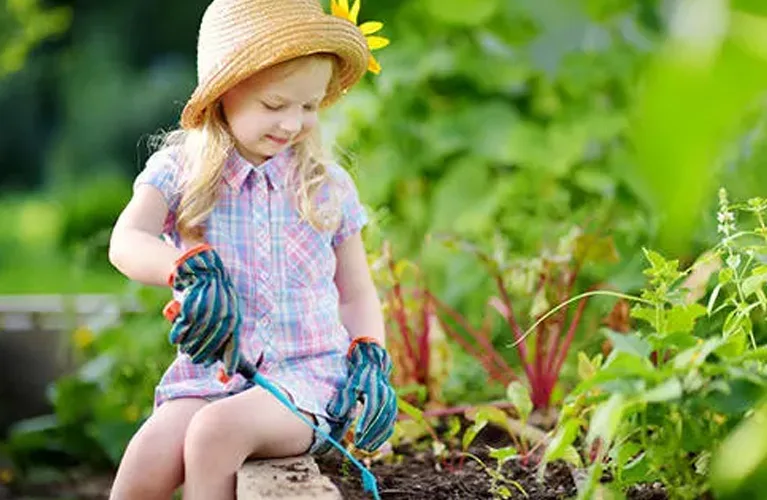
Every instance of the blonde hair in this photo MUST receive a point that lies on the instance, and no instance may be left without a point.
(204, 151)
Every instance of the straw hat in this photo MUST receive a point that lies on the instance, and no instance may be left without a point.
(241, 37)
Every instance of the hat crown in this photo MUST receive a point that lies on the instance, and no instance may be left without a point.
(229, 25)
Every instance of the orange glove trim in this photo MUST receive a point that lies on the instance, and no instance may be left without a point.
(171, 310)
(189, 253)
(357, 340)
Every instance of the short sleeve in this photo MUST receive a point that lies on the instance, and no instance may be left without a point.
(353, 215)
(163, 172)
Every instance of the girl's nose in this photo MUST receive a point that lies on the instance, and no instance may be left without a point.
(291, 123)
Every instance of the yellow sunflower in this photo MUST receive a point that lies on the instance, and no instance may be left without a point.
(340, 8)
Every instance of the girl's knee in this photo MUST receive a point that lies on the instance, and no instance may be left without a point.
(152, 465)
(209, 435)
(144, 471)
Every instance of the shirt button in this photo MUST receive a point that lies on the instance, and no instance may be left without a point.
(266, 322)
(264, 275)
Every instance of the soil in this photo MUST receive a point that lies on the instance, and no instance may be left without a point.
(417, 478)
(422, 478)
(408, 474)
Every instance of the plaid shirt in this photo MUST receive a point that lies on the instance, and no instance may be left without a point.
(283, 270)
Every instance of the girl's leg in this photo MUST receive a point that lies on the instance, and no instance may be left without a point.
(152, 466)
(224, 434)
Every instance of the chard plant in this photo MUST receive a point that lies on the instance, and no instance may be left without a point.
(549, 278)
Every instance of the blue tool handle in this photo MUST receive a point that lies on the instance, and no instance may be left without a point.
(249, 371)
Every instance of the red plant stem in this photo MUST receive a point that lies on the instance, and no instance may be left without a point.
(515, 330)
(491, 352)
(539, 354)
(568, 339)
(398, 311)
(491, 370)
(562, 317)
(539, 338)
(423, 341)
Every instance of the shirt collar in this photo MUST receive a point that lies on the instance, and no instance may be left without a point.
(237, 169)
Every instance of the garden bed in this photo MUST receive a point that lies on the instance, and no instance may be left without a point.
(418, 477)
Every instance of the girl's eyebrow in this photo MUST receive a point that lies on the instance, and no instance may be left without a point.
(284, 99)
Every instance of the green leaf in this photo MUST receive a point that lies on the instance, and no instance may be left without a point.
(606, 419)
(571, 456)
(628, 343)
(661, 270)
(564, 437)
(471, 433)
(738, 465)
(492, 414)
(410, 410)
(758, 354)
(681, 318)
(454, 427)
(656, 260)
(695, 356)
(735, 397)
(712, 299)
(624, 452)
(620, 367)
(726, 275)
(677, 341)
(754, 282)
(638, 471)
(737, 322)
(734, 345)
(519, 396)
(588, 367)
(503, 454)
(669, 390)
(648, 314)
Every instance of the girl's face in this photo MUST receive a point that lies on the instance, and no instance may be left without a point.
(276, 107)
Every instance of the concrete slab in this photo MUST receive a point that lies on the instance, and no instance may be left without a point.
(297, 478)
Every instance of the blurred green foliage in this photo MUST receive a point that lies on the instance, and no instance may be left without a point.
(100, 406)
(506, 123)
(24, 24)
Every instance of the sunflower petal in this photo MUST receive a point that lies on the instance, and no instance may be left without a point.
(335, 8)
(373, 65)
(370, 27)
(377, 42)
(354, 13)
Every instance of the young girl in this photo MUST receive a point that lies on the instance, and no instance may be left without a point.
(261, 238)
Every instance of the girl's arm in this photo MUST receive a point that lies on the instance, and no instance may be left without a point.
(135, 248)
(360, 307)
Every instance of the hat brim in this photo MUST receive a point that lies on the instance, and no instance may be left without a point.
(323, 34)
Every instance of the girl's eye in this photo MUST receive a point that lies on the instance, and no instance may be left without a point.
(310, 107)
(271, 107)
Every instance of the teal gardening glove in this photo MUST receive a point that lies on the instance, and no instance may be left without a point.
(368, 382)
(208, 317)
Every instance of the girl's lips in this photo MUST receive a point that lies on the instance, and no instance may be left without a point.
(277, 140)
